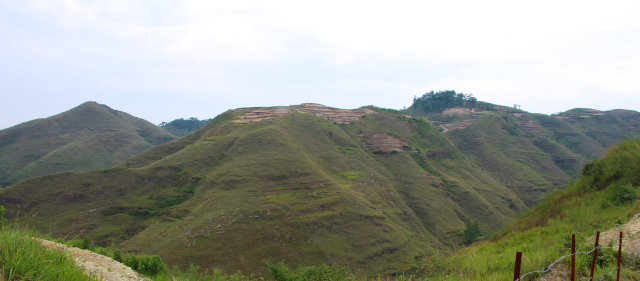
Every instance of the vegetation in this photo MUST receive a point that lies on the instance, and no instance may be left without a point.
(306, 191)
(182, 127)
(439, 101)
(24, 258)
(89, 137)
(322, 197)
(604, 196)
(472, 232)
(281, 272)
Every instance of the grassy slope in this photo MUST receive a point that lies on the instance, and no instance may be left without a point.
(605, 127)
(534, 162)
(88, 137)
(600, 199)
(500, 146)
(298, 188)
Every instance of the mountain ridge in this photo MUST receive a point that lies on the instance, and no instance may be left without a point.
(373, 191)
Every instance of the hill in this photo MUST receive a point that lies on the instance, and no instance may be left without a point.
(89, 137)
(373, 188)
(304, 184)
(604, 197)
(530, 153)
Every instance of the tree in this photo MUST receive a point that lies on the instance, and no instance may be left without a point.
(472, 232)
(438, 102)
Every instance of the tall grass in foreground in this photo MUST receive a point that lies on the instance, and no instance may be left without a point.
(24, 258)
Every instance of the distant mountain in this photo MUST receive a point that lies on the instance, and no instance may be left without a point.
(182, 127)
(89, 137)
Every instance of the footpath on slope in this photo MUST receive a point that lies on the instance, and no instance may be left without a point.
(96, 264)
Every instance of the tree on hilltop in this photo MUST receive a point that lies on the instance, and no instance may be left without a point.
(439, 101)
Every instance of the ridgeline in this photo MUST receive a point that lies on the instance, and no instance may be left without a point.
(373, 188)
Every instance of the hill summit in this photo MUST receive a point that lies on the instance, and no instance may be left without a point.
(88, 137)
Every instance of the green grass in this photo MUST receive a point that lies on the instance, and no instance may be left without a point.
(605, 127)
(343, 149)
(600, 199)
(88, 137)
(22, 257)
(277, 189)
(287, 189)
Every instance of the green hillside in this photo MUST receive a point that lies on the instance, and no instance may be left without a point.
(532, 154)
(89, 137)
(605, 197)
(305, 184)
(605, 127)
(371, 188)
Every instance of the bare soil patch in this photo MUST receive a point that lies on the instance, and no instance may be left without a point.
(529, 126)
(342, 116)
(630, 237)
(469, 116)
(384, 142)
(457, 111)
(630, 245)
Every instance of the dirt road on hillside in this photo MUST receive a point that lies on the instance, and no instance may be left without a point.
(96, 264)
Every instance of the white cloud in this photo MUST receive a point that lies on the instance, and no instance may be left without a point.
(341, 53)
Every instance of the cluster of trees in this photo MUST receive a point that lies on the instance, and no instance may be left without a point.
(439, 101)
(181, 127)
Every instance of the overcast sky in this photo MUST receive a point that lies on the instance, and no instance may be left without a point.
(162, 60)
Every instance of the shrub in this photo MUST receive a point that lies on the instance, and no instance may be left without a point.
(117, 256)
(623, 194)
(147, 265)
(86, 243)
(281, 272)
(472, 232)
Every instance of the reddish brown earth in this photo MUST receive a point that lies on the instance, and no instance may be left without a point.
(468, 115)
(342, 116)
(384, 142)
(529, 126)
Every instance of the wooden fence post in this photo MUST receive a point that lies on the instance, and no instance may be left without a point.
(516, 272)
(573, 257)
(595, 253)
(619, 256)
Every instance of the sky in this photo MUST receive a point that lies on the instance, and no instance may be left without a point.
(163, 60)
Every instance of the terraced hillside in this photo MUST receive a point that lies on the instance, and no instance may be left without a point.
(298, 187)
(89, 137)
(605, 127)
(532, 153)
